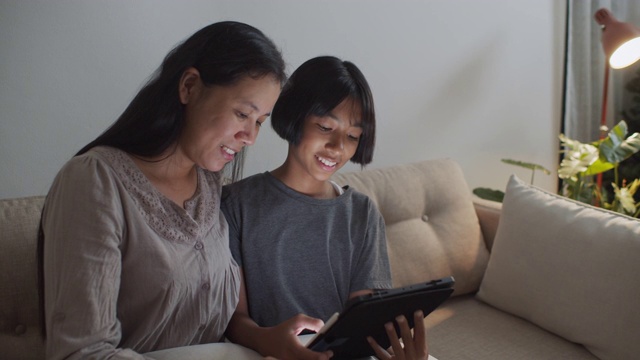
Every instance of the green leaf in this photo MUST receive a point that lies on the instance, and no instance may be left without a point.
(526, 165)
(489, 194)
(598, 167)
(617, 147)
(579, 190)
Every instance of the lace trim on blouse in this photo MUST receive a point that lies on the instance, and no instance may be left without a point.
(164, 216)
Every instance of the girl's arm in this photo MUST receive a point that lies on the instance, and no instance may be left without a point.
(280, 341)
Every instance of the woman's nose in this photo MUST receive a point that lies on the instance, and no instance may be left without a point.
(248, 134)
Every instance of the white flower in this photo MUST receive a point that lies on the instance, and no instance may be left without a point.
(578, 157)
(625, 196)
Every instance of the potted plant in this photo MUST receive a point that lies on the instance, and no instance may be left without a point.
(583, 162)
(582, 165)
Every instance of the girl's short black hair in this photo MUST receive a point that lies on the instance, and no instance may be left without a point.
(316, 88)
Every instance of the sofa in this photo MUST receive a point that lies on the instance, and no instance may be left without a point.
(537, 277)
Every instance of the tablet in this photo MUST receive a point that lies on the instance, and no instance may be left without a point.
(346, 333)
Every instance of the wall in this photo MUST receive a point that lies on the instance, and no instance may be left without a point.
(472, 80)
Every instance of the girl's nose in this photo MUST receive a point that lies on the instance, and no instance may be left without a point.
(336, 142)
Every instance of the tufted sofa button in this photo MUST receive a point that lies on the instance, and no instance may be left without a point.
(20, 329)
(425, 218)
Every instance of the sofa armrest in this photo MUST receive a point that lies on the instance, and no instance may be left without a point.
(489, 216)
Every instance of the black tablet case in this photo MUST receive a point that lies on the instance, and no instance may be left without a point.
(366, 315)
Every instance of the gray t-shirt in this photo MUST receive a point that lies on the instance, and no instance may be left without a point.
(128, 271)
(300, 254)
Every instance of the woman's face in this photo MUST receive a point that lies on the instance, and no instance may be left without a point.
(328, 142)
(220, 120)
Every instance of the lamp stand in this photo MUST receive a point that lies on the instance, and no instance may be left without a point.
(603, 121)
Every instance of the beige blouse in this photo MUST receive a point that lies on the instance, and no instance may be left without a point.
(126, 270)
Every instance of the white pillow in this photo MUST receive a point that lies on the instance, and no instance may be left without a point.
(567, 267)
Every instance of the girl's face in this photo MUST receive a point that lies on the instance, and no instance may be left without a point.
(220, 120)
(327, 142)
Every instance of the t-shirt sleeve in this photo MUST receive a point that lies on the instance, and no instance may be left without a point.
(371, 268)
(83, 223)
(230, 210)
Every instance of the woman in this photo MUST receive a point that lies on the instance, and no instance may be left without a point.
(305, 244)
(134, 250)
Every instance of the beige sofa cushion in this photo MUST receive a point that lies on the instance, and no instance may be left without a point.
(569, 268)
(465, 328)
(20, 331)
(432, 227)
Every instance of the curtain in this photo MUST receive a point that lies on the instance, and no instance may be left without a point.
(585, 71)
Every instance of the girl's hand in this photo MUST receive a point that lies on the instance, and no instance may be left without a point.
(284, 342)
(415, 346)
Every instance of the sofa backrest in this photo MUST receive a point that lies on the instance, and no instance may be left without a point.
(431, 224)
(20, 330)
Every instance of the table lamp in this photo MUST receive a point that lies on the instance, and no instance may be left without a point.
(621, 45)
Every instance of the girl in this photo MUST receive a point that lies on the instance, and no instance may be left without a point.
(306, 245)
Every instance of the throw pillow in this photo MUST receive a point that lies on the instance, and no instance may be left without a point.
(569, 268)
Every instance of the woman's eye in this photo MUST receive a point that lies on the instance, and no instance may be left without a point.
(241, 115)
(323, 128)
(354, 138)
(259, 123)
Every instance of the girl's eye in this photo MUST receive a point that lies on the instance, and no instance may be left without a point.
(241, 115)
(354, 138)
(259, 123)
(323, 128)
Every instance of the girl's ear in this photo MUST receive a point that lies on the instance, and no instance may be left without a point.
(187, 85)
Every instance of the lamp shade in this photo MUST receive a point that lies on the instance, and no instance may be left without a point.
(620, 40)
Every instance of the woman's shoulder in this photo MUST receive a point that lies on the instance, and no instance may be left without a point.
(97, 157)
(101, 169)
(88, 164)
(86, 178)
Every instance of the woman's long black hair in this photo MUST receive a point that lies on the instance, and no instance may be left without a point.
(223, 53)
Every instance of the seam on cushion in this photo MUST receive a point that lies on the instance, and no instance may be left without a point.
(564, 198)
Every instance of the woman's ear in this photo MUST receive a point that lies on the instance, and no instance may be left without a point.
(187, 85)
